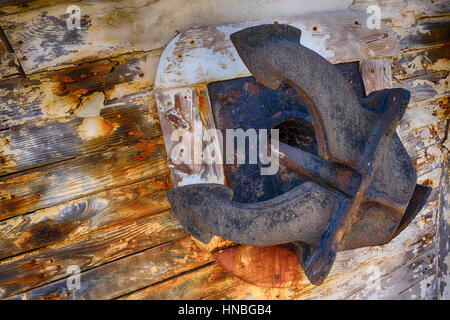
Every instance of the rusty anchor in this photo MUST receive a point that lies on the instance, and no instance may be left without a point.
(361, 185)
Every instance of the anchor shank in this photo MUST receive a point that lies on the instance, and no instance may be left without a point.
(330, 173)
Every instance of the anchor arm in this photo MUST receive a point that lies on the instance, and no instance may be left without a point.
(273, 53)
(302, 214)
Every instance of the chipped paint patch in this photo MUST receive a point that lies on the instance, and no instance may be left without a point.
(424, 114)
(406, 18)
(95, 127)
(91, 105)
(440, 88)
(143, 80)
(7, 155)
(54, 105)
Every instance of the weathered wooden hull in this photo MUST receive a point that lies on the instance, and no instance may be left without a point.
(83, 167)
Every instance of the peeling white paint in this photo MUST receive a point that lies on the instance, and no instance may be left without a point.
(206, 54)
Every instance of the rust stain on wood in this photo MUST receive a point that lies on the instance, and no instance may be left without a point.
(273, 267)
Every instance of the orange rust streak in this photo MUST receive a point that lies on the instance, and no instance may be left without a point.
(202, 103)
(145, 149)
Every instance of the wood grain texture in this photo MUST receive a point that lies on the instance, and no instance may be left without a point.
(423, 125)
(272, 267)
(188, 109)
(424, 72)
(43, 266)
(194, 285)
(14, 6)
(421, 62)
(376, 74)
(43, 143)
(128, 274)
(428, 86)
(44, 187)
(443, 256)
(427, 32)
(59, 94)
(111, 29)
(423, 290)
(8, 60)
(76, 218)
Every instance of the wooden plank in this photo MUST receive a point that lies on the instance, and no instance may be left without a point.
(44, 187)
(398, 281)
(423, 290)
(338, 37)
(376, 74)
(418, 23)
(426, 86)
(391, 8)
(443, 270)
(76, 218)
(429, 115)
(128, 274)
(14, 6)
(43, 38)
(107, 244)
(426, 33)
(43, 143)
(404, 13)
(427, 160)
(421, 62)
(55, 95)
(8, 60)
(427, 152)
(272, 267)
(193, 285)
(188, 109)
